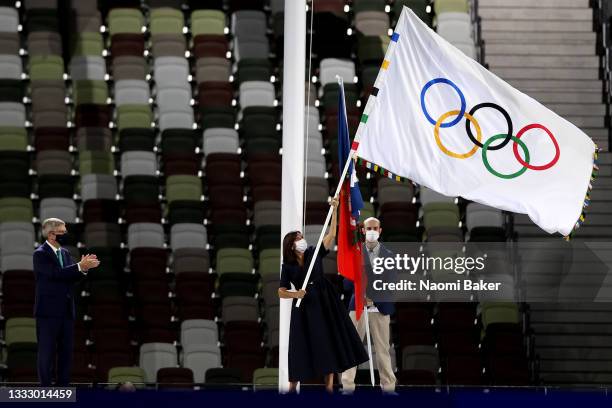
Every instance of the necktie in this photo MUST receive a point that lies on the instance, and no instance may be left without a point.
(59, 256)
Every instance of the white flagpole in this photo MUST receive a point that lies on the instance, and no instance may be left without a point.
(329, 213)
(369, 341)
(293, 155)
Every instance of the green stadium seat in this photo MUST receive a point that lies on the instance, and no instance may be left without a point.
(134, 116)
(88, 44)
(166, 20)
(13, 138)
(46, 67)
(207, 22)
(183, 187)
(125, 21)
(96, 162)
(234, 260)
(265, 379)
(90, 92)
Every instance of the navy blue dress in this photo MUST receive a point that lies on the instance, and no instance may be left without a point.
(322, 337)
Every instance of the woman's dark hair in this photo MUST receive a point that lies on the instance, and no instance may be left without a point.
(288, 253)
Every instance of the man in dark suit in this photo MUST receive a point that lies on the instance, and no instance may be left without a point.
(379, 313)
(56, 273)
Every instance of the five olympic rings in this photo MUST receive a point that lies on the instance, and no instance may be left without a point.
(477, 140)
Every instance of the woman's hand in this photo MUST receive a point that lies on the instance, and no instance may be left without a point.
(300, 294)
(334, 203)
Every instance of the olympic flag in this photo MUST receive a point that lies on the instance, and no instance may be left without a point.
(440, 119)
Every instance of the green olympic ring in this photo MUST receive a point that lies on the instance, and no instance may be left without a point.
(491, 170)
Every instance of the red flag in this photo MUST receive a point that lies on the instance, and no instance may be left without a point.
(350, 260)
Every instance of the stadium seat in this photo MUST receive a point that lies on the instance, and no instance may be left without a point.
(200, 358)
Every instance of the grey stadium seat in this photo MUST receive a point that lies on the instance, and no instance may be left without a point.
(10, 67)
(372, 23)
(249, 23)
(256, 93)
(176, 119)
(330, 67)
(479, 215)
(88, 67)
(390, 191)
(427, 195)
(15, 236)
(98, 186)
(9, 19)
(317, 189)
(249, 47)
(170, 98)
(63, 208)
(12, 114)
(138, 163)
(199, 358)
(187, 235)
(199, 331)
(220, 140)
(145, 234)
(132, 92)
(154, 356)
(18, 258)
(171, 71)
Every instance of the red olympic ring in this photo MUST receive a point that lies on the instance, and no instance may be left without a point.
(530, 166)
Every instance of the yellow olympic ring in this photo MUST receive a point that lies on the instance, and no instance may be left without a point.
(443, 148)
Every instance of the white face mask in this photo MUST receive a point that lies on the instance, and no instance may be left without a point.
(301, 245)
(372, 236)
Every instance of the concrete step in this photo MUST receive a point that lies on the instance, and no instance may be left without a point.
(541, 61)
(545, 97)
(540, 49)
(575, 353)
(580, 379)
(586, 121)
(567, 340)
(536, 25)
(551, 328)
(576, 366)
(535, 4)
(548, 72)
(586, 109)
(492, 36)
(530, 85)
(538, 14)
(596, 133)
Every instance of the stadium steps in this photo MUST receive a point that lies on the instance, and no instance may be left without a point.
(573, 342)
(548, 50)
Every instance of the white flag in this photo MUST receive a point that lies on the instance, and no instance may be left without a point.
(440, 119)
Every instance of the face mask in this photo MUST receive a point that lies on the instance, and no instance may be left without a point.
(372, 236)
(301, 245)
(63, 239)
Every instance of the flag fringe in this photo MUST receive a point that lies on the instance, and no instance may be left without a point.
(381, 170)
(587, 197)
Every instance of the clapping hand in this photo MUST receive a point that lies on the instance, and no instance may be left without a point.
(89, 261)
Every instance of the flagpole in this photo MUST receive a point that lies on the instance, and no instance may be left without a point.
(327, 220)
(369, 341)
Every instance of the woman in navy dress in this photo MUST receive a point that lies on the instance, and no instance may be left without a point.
(322, 339)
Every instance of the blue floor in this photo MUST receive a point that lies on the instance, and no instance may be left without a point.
(407, 398)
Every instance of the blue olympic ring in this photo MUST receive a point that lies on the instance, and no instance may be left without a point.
(456, 88)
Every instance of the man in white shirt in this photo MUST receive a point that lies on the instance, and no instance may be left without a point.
(379, 315)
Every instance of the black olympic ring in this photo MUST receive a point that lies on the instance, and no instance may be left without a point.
(503, 112)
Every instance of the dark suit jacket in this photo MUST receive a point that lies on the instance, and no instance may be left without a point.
(386, 308)
(54, 284)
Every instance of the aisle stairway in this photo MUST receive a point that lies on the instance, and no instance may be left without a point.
(547, 49)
